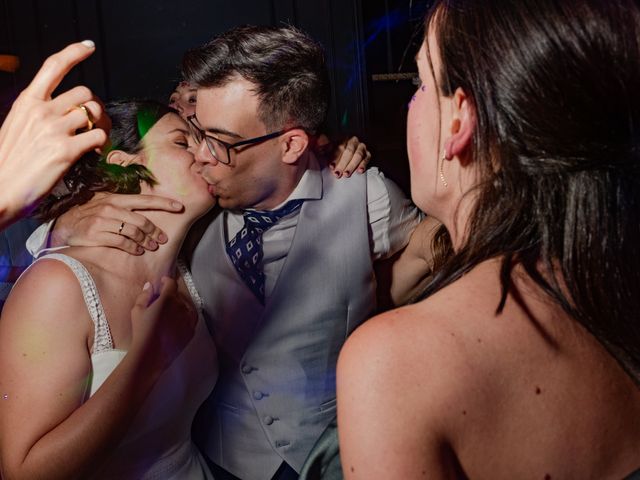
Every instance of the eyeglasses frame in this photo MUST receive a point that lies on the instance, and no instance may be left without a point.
(229, 146)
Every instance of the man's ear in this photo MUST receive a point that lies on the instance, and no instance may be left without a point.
(121, 158)
(462, 126)
(294, 144)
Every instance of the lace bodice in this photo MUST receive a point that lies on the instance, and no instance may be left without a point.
(158, 443)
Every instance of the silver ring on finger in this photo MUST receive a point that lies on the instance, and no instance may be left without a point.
(120, 229)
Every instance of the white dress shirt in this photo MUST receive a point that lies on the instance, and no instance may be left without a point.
(392, 218)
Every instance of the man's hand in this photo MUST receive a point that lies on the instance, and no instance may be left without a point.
(42, 137)
(109, 220)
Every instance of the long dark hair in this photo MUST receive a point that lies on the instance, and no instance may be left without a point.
(557, 146)
(131, 120)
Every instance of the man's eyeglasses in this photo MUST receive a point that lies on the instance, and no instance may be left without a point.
(220, 149)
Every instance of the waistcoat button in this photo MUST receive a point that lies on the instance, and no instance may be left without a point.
(247, 368)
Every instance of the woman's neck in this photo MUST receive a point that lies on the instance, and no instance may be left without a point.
(457, 220)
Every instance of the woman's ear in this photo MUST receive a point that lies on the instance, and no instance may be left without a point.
(294, 144)
(121, 158)
(462, 126)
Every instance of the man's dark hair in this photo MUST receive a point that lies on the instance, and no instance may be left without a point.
(286, 66)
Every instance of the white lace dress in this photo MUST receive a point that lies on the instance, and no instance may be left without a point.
(158, 443)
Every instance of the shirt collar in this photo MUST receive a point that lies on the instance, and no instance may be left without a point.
(310, 185)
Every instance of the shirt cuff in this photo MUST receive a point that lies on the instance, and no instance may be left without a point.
(37, 242)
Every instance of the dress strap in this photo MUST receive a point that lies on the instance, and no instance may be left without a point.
(188, 281)
(102, 334)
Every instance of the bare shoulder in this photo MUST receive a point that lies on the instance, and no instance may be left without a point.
(433, 327)
(404, 376)
(413, 348)
(47, 294)
(451, 374)
(433, 351)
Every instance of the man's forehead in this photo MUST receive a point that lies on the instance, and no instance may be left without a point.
(235, 87)
(230, 109)
(234, 95)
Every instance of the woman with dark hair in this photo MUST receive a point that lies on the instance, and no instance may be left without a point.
(523, 358)
(89, 389)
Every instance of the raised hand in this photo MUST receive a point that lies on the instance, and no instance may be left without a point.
(163, 324)
(42, 137)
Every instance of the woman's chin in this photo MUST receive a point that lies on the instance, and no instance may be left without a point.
(198, 208)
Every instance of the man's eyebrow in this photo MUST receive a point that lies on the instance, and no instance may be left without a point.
(218, 130)
(222, 131)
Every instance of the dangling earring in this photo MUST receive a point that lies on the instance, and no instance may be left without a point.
(442, 179)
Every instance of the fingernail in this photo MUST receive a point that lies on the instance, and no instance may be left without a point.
(337, 173)
(360, 170)
(146, 287)
(152, 245)
(88, 43)
(162, 238)
(176, 205)
(139, 250)
(347, 173)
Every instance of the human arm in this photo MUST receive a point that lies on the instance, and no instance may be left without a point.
(98, 222)
(392, 220)
(38, 139)
(401, 277)
(46, 431)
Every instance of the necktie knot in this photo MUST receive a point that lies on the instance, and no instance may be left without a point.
(245, 249)
(263, 220)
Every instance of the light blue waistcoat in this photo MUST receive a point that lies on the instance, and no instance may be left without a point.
(276, 390)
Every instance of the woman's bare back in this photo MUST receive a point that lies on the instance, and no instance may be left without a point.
(524, 394)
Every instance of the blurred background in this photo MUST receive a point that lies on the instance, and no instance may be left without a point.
(370, 47)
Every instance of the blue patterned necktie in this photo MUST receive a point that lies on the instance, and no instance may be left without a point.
(245, 250)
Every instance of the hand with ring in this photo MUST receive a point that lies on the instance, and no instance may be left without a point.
(43, 136)
(90, 121)
(113, 220)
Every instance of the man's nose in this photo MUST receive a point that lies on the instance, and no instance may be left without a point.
(203, 155)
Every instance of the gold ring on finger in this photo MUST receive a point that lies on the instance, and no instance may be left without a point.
(87, 112)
